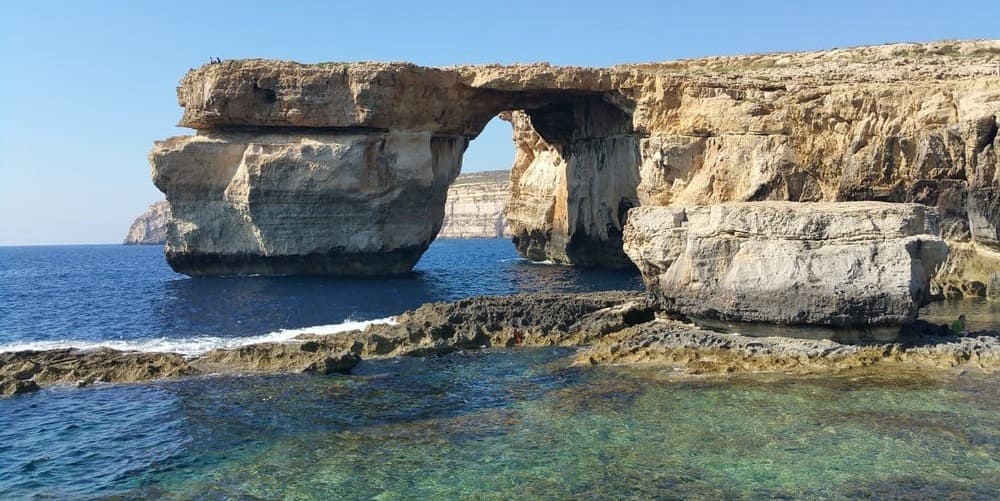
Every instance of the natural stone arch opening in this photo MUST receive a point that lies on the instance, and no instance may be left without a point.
(369, 200)
(575, 170)
(343, 168)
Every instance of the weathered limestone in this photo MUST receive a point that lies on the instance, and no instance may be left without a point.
(475, 206)
(304, 203)
(609, 327)
(26, 371)
(474, 210)
(838, 264)
(572, 188)
(894, 123)
(694, 350)
(150, 227)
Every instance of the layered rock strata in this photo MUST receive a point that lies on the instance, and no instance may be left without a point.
(150, 227)
(474, 209)
(836, 264)
(609, 327)
(372, 142)
(475, 206)
(304, 202)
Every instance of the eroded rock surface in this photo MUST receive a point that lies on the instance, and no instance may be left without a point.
(692, 350)
(475, 206)
(610, 327)
(150, 227)
(303, 202)
(25, 371)
(474, 210)
(896, 123)
(839, 264)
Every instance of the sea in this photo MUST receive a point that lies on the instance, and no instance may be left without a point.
(518, 423)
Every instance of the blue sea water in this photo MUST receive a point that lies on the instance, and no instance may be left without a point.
(490, 424)
(80, 295)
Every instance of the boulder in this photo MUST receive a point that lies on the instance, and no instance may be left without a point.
(834, 264)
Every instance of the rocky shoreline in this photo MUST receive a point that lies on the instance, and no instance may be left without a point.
(608, 327)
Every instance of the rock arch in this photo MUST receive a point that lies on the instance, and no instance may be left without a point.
(343, 168)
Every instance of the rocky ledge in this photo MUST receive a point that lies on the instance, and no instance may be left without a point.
(608, 327)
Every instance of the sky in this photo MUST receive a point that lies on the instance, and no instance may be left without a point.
(86, 87)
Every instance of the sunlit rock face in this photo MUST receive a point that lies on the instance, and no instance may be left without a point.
(475, 206)
(474, 210)
(894, 123)
(304, 203)
(573, 184)
(836, 264)
(150, 227)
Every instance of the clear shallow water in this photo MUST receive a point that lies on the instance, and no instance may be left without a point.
(980, 313)
(494, 424)
(508, 424)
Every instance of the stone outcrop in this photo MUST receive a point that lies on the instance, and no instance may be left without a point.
(304, 202)
(837, 264)
(150, 228)
(693, 350)
(474, 210)
(475, 206)
(609, 327)
(25, 371)
(330, 168)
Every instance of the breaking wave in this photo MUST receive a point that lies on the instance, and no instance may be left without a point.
(195, 345)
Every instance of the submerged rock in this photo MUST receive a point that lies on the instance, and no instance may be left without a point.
(838, 264)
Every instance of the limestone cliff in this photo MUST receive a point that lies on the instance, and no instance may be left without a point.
(343, 168)
(474, 210)
(475, 206)
(836, 264)
(150, 228)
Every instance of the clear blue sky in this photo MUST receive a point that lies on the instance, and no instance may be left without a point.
(87, 86)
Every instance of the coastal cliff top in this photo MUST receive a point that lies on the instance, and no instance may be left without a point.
(898, 61)
(461, 99)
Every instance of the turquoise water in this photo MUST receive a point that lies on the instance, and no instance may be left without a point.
(514, 424)
(499, 424)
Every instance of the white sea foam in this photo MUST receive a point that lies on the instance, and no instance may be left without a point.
(195, 345)
(547, 262)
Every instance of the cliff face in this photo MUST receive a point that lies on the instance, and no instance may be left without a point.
(474, 210)
(836, 264)
(150, 228)
(309, 168)
(475, 206)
